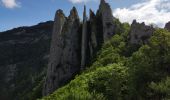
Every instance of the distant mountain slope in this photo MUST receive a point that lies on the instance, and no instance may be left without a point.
(23, 57)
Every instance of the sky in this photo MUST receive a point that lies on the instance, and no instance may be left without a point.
(16, 13)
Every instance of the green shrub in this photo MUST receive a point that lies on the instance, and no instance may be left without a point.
(95, 85)
(161, 90)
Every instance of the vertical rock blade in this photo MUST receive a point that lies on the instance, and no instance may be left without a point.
(84, 40)
(93, 43)
(55, 51)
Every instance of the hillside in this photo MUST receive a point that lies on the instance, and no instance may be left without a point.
(23, 59)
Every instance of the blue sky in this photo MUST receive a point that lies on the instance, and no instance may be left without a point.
(15, 13)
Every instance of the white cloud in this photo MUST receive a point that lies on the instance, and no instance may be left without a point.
(81, 1)
(149, 11)
(10, 3)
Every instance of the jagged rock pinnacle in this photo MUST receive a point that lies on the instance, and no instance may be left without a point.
(55, 52)
(107, 18)
(73, 14)
(84, 41)
(59, 13)
(64, 60)
(91, 14)
(84, 14)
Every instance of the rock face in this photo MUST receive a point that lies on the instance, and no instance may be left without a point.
(93, 40)
(74, 45)
(65, 57)
(167, 26)
(107, 18)
(140, 33)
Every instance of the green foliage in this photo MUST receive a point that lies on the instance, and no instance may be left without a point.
(161, 89)
(111, 83)
(150, 64)
(106, 79)
(95, 85)
(122, 71)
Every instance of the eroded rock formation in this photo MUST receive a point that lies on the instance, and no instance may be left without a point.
(65, 57)
(140, 33)
(107, 18)
(74, 45)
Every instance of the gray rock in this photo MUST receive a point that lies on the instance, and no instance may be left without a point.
(64, 60)
(107, 20)
(140, 33)
(84, 41)
(93, 43)
(167, 26)
(72, 49)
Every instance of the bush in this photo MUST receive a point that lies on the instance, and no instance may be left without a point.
(150, 64)
(95, 85)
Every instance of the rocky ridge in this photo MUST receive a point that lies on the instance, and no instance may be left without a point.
(74, 44)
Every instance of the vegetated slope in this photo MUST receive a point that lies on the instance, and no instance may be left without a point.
(123, 71)
(24, 54)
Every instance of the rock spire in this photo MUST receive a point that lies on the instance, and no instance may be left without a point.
(64, 61)
(84, 40)
(105, 12)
